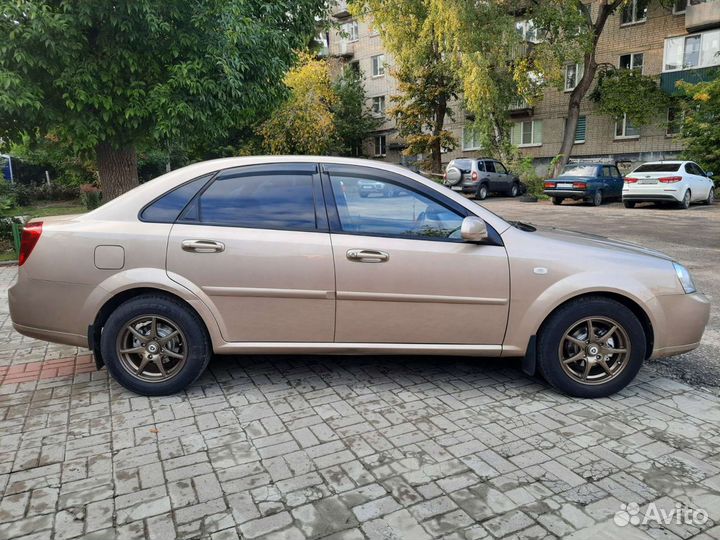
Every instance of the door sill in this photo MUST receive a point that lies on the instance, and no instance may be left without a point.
(260, 347)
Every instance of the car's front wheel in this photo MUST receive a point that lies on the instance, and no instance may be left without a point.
(515, 189)
(711, 197)
(591, 347)
(154, 345)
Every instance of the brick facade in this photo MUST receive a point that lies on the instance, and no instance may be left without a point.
(646, 37)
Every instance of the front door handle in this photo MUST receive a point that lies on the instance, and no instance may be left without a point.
(203, 246)
(367, 255)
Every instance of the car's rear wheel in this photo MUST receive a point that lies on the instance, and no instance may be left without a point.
(482, 192)
(629, 204)
(515, 189)
(154, 345)
(685, 202)
(363, 195)
(597, 198)
(557, 200)
(591, 347)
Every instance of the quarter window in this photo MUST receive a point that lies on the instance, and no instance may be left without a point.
(378, 65)
(258, 200)
(167, 208)
(376, 206)
(634, 11)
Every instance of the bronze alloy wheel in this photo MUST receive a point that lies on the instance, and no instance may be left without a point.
(152, 348)
(594, 350)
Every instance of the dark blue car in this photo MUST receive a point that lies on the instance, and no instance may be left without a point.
(591, 182)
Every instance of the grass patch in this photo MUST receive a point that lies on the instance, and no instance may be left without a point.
(46, 208)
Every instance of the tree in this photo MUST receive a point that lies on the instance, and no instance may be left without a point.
(110, 75)
(305, 123)
(354, 121)
(700, 124)
(426, 79)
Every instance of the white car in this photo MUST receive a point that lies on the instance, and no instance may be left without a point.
(679, 182)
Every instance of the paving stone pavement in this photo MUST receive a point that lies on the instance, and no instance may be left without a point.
(344, 448)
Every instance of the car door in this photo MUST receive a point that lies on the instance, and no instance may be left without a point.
(609, 181)
(255, 246)
(699, 183)
(491, 175)
(403, 275)
(618, 181)
(504, 178)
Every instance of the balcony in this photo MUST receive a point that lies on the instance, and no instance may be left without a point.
(340, 9)
(701, 14)
(519, 106)
(345, 49)
(668, 80)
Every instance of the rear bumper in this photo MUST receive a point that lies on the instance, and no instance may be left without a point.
(568, 193)
(668, 196)
(52, 335)
(684, 317)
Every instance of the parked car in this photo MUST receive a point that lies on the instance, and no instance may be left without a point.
(369, 187)
(676, 182)
(592, 182)
(282, 255)
(481, 177)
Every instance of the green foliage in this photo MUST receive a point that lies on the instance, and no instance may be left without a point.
(628, 91)
(128, 71)
(700, 125)
(352, 118)
(427, 79)
(90, 196)
(55, 154)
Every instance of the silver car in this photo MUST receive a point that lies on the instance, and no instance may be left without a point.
(481, 177)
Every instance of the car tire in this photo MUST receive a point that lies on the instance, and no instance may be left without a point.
(557, 200)
(145, 366)
(685, 203)
(597, 198)
(564, 336)
(629, 204)
(710, 198)
(364, 195)
(515, 189)
(482, 192)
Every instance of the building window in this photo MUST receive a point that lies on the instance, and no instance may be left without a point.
(355, 66)
(573, 74)
(580, 129)
(378, 105)
(527, 31)
(527, 133)
(625, 130)
(632, 61)
(471, 138)
(634, 11)
(378, 65)
(679, 6)
(351, 31)
(380, 143)
(674, 120)
(693, 51)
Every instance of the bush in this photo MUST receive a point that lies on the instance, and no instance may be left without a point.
(91, 196)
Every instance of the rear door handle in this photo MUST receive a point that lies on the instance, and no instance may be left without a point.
(367, 255)
(202, 246)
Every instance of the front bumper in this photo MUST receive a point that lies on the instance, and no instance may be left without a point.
(680, 323)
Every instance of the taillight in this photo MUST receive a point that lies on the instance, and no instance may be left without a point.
(30, 236)
(579, 185)
(670, 179)
(631, 180)
(474, 175)
(549, 185)
(445, 176)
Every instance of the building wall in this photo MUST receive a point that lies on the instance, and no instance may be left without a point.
(647, 37)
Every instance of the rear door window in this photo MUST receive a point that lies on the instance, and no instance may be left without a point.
(490, 166)
(259, 197)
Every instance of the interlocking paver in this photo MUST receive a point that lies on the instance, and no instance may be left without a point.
(341, 448)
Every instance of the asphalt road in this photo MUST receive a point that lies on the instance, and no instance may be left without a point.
(690, 236)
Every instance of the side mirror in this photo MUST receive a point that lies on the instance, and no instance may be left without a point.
(473, 229)
(709, 174)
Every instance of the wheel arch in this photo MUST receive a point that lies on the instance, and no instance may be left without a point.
(112, 303)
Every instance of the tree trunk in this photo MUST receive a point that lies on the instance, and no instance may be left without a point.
(583, 87)
(436, 151)
(117, 168)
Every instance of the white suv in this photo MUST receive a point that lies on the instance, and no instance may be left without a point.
(679, 182)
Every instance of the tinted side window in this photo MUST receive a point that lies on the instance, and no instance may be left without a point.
(481, 166)
(499, 167)
(692, 168)
(489, 166)
(390, 209)
(167, 208)
(271, 199)
(607, 171)
(615, 172)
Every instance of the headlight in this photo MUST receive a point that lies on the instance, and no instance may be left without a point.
(684, 276)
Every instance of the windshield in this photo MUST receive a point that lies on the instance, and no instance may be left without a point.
(658, 167)
(579, 170)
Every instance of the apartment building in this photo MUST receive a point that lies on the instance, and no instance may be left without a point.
(681, 42)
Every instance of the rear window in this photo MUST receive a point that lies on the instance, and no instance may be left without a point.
(464, 165)
(579, 170)
(167, 208)
(658, 167)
